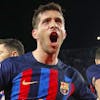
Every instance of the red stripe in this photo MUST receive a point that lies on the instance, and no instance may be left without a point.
(24, 89)
(53, 85)
(92, 88)
(72, 89)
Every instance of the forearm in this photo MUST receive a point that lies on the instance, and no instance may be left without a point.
(97, 87)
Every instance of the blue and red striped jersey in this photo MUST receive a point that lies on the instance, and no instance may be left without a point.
(93, 71)
(24, 78)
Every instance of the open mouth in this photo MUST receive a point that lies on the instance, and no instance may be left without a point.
(53, 37)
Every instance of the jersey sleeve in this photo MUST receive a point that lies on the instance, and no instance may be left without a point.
(93, 71)
(5, 73)
(81, 87)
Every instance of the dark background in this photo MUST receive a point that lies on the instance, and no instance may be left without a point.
(82, 19)
(82, 16)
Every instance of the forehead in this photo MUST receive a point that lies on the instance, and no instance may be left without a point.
(2, 47)
(50, 14)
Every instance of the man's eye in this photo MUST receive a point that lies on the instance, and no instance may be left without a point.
(58, 20)
(46, 21)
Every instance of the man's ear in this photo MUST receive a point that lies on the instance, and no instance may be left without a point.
(14, 53)
(34, 34)
(65, 35)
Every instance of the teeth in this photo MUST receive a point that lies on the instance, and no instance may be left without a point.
(53, 37)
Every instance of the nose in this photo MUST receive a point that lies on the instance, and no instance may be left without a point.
(53, 24)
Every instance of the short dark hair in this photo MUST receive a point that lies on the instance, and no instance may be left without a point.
(43, 8)
(13, 44)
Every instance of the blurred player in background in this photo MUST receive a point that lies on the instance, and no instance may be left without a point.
(9, 48)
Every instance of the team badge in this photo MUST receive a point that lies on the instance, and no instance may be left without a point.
(64, 88)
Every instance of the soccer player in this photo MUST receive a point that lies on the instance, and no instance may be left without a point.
(40, 74)
(9, 48)
(93, 74)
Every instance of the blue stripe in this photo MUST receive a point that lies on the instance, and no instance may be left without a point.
(44, 83)
(16, 87)
(67, 79)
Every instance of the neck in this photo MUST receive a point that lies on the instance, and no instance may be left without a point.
(42, 57)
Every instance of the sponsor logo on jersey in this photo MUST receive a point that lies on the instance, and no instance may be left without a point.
(28, 83)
